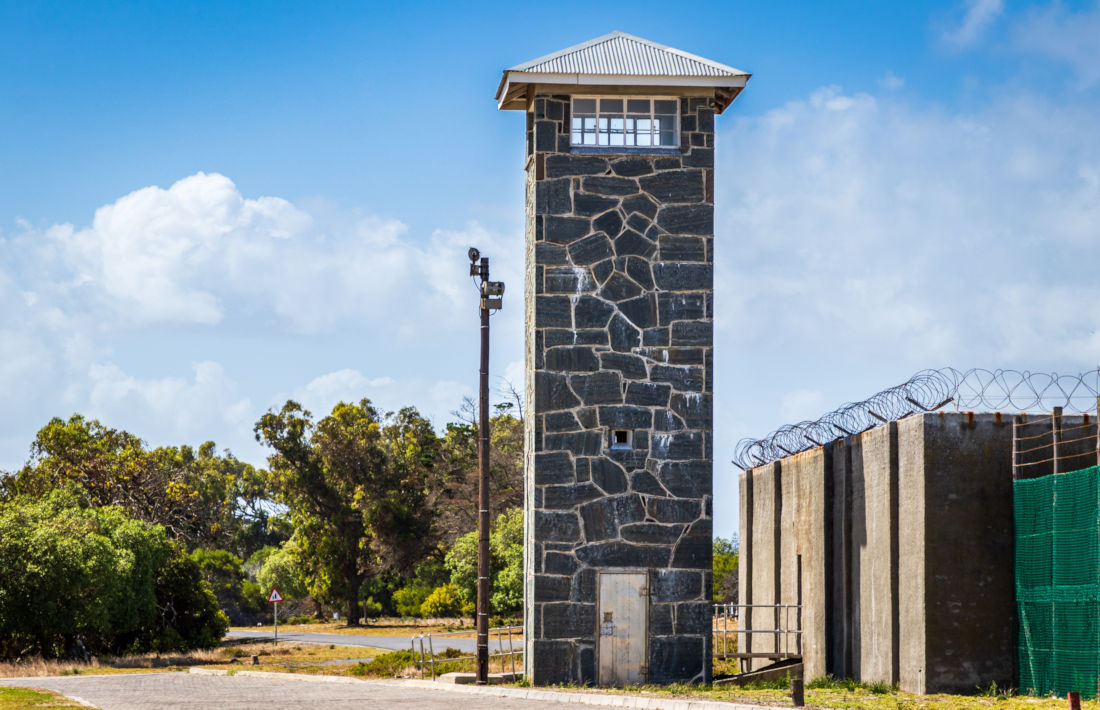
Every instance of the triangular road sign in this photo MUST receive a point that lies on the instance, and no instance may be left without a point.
(274, 596)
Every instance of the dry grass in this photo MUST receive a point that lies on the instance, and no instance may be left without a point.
(229, 655)
(377, 627)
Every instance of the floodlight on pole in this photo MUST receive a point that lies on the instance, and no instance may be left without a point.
(492, 293)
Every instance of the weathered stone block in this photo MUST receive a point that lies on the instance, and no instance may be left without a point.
(632, 366)
(642, 311)
(584, 585)
(582, 443)
(700, 158)
(643, 482)
(624, 336)
(660, 619)
(598, 388)
(572, 359)
(626, 417)
(552, 526)
(667, 421)
(655, 336)
(546, 135)
(674, 510)
(639, 270)
(553, 588)
(564, 164)
(608, 475)
(668, 585)
(609, 186)
(610, 223)
(632, 167)
(674, 186)
(568, 620)
(687, 479)
(550, 660)
(569, 279)
(619, 288)
(695, 549)
(592, 312)
(591, 205)
(603, 269)
(590, 249)
(683, 379)
(552, 392)
(651, 533)
(623, 554)
(692, 333)
(683, 219)
(565, 230)
(568, 497)
(694, 409)
(553, 467)
(560, 563)
(550, 254)
(553, 197)
(603, 518)
(553, 312)
(560, 421)
(630, 243)
(683, 277)
(693, 618)
(673, 658)
(674, 248)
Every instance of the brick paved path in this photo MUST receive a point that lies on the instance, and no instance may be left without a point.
(154, 691)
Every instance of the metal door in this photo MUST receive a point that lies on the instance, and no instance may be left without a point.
(623, 620)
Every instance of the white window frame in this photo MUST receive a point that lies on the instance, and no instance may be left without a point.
(600, 120)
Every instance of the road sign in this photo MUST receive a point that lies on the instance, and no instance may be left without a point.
(274, 596)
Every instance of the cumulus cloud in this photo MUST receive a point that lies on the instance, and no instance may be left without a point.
(978, 16)
(1063, 35)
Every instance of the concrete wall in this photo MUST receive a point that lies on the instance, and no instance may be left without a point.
(905, 538)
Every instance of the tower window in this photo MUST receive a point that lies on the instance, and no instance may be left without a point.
(622, 439)
(625, 121)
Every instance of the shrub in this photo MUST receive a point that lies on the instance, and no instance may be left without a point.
(118, 583)
(371, 608)
(505, 563)
(408, 600)
(442, 602)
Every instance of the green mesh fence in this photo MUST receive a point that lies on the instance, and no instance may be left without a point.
(1058, 582)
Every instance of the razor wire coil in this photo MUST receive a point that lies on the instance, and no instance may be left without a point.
(928, 391)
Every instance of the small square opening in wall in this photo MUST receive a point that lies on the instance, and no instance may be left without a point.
(622, 439)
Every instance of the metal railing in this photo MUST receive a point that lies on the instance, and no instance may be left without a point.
(425, 657)
(786, 636)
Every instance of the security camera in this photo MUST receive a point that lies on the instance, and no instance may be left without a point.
(474, 254)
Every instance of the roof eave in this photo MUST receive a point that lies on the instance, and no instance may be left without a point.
(507, 98)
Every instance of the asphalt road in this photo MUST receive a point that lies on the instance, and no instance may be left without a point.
(155, 691)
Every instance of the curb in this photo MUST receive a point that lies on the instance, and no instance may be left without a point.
(315, 678)
(642, 702)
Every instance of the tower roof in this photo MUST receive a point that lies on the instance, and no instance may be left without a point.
(621, 59)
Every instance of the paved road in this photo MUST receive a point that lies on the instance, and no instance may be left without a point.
(392, 643)
(154, 691)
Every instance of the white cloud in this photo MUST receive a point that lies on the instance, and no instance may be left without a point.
(978, 16)
(1058, 33)
(891, 81)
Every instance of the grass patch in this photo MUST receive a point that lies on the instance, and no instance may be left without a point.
(376, 627)
(12, 698)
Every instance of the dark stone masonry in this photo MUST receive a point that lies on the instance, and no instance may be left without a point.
(619, 309)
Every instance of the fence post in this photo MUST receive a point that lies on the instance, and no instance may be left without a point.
(1056, 433)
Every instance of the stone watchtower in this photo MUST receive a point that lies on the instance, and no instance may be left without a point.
(619, 327)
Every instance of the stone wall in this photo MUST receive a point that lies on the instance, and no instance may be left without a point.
(619, 301)
(905, 539)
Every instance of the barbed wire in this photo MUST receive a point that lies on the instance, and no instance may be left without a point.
(929, 391)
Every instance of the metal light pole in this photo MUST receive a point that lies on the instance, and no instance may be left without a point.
(492, 293)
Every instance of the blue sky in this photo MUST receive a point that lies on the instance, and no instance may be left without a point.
(206, 208)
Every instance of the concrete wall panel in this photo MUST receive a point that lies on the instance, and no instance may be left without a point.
(912, 555)
(875, 486)
(971, 609)
(767, 499)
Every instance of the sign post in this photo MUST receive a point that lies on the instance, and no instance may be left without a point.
(275, 598)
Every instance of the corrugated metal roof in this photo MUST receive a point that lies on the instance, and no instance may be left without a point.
(621, 53)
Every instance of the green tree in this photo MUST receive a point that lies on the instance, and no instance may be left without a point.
(359, 486)
(200, 498)
(281, 571)
(505, 563)
(72, 572)
(725, 570)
